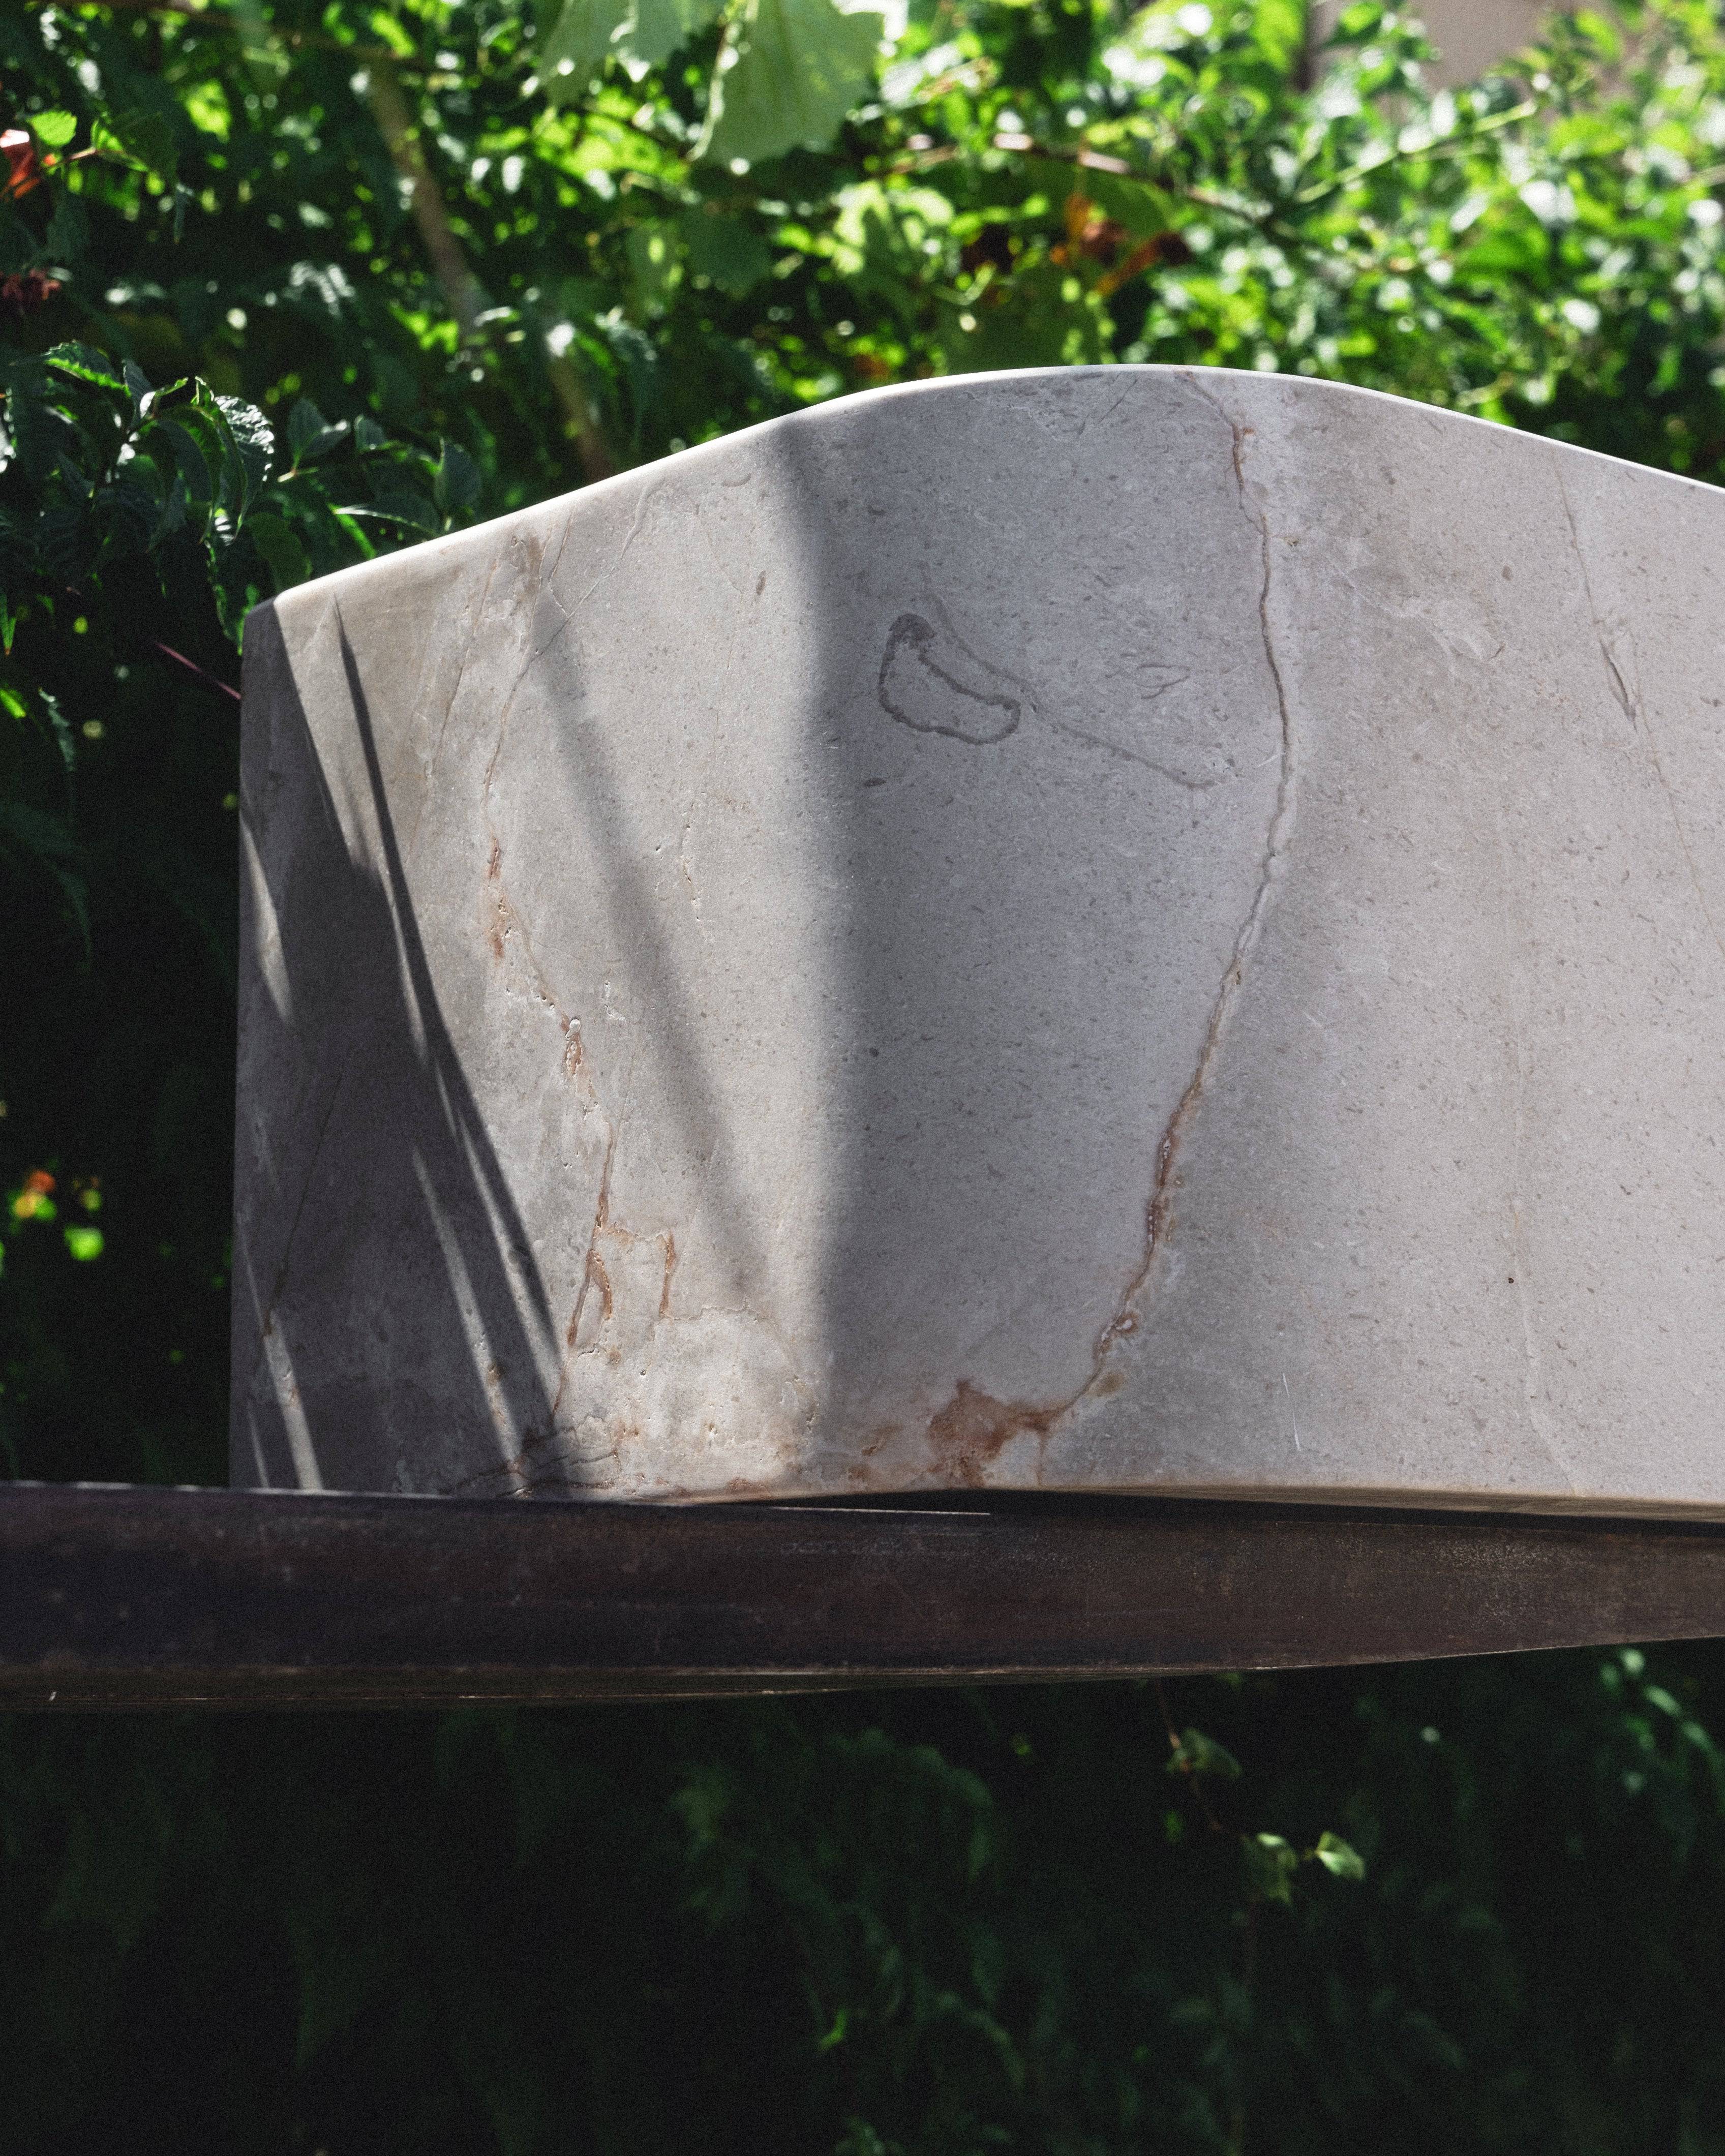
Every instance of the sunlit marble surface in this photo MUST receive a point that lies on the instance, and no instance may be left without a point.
(1117, 929)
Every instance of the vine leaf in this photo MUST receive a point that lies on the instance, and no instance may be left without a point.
(799, 66)
(1338, 1857)
(725, 249)
(310, 435)
(659, 28)
(52, 129)
(1195, 1753)
(1270, 1867)
(573, 51)
(276, 541)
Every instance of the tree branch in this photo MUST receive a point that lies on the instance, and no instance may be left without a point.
(467, 298)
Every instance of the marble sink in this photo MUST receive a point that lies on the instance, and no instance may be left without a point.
(1117, 929)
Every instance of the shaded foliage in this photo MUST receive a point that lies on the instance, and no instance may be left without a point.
(936, 1923)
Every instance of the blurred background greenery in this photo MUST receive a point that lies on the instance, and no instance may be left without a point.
(283, 285)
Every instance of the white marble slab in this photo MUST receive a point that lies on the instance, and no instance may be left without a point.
(1115, 929)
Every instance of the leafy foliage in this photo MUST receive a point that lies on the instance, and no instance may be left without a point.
(130, 515)
(932, 1924)
(285, 285)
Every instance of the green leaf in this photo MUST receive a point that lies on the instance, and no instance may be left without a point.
(83, 1243)
(1338, 1857)
(1279, 31)
(86, 364)
(139, 138)
(53, 129)
(137, 386)
(64, 740)
(310, 435)
(246, 442)
(367, 434)
(1198, 1754)
(655, 262)
(725, 249)
(277, 542)
(659, 28)
(1269, 1866)
(800, 66)
(253, 442)
(189, 454)
(411, 510)
(456, 483)
(574, 50)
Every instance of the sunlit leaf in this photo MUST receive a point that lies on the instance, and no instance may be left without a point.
(138, 136)
(573, 51)
(86, 364)
(1338, 1857)
(53, 129)
(799, 66)
(247, 442)
(137, 386)
(1279, 31)
(659, 28)
(411, 510)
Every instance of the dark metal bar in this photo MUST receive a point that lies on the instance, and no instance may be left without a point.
(134, 1597)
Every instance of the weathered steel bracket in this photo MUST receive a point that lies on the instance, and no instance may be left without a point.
(123, 1598)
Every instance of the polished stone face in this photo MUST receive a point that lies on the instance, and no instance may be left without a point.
(1115, 929)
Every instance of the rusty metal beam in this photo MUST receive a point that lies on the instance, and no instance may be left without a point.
(133, 1597)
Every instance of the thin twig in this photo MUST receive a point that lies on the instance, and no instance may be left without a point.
(192, 666)
(1174, 1738)
(1094, 160)
(467, 297)
(1445, 146)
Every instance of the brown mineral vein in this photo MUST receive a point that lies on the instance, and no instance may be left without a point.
(593, 1271)
(1160, 1213)
(973, 1428)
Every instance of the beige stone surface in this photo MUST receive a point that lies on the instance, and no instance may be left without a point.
(1471, 37)
(1118, 929)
